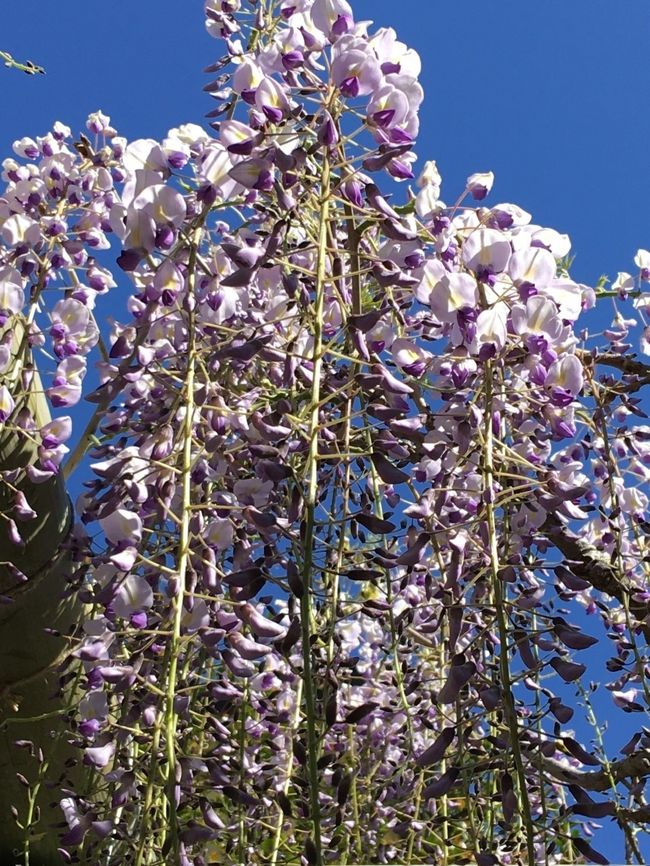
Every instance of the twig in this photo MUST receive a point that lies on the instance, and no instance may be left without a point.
(27, 66)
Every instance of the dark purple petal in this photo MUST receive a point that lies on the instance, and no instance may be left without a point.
(486, 860)
(359, 713)
(436, 751)
(374, 524)
(587, 851)
(571, 636)
(363, 574)
(631, 745)
(238, 795)
(442, 785)
(239, 279)
(491, 698)
(577, 584)
(594, 810)
(561, 712)
(412, 555)
(378, 202)
(211, 818)
(237, 665)
(574, 748)
(460, 674)
(569, 671)
(364, 322)
(388, 473)
(259, 624)
(195, 833)
(242, 578)
(508, 797)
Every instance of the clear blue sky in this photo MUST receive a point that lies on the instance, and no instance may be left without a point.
(554, 97)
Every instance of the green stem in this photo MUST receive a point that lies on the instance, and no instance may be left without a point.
(510, 711)
(171, 716)
(26, 66)
(311, 501)
(277, 837)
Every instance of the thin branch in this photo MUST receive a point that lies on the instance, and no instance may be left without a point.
(634, 766)
(27, 66)
(594, 566)
(637, 371)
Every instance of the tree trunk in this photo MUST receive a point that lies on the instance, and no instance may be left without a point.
(30, 707)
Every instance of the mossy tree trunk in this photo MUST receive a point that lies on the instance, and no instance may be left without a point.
(33, 611)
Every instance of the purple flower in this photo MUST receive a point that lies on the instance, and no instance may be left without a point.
(355, 71)
(480, 184)
(332, 17)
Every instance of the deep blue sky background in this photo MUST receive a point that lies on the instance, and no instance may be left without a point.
(554, 97)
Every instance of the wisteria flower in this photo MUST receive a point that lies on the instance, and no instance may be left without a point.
(642, 261)
(332, 15)
(122, 525)
(453, 292)
(486, 251)
(355, 70)
(12, 295)
(480, 184)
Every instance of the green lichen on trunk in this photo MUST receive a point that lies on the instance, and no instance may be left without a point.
(35, 610)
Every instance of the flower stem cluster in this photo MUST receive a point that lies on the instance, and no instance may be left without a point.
(361, 499)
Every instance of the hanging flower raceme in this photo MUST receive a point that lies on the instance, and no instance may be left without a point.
(340, 481)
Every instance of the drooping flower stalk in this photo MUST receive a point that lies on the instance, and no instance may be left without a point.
(182, 559)
(329, 559)
(500, 601)
(311, 503)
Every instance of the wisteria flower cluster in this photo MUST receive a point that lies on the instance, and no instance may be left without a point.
(362, 496)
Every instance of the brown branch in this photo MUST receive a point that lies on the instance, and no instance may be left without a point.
(590, 564)
(635, 766)
(637, 371)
